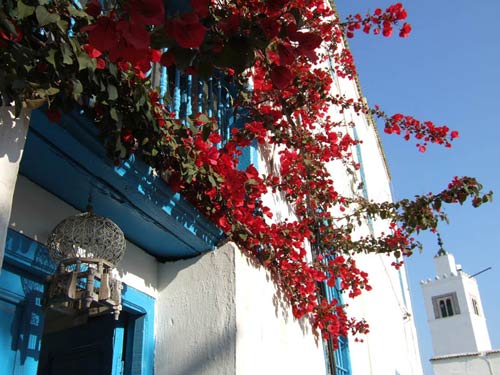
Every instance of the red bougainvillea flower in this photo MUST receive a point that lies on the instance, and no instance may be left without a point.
(91, 51)
(405, 30)
(200, 7)
(146, 12)
(11, 36)
(308, 42)
(134, 34)
(187, 30)
(155, 55)
(102, 34)
(100, 63)
(93, 8)
(281, 76)
(286, 55)
(167, 59)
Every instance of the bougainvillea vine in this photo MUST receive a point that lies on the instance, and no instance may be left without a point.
(283, 57)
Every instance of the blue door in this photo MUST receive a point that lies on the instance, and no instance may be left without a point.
(79, 350)
(99, 346)
(21, 322)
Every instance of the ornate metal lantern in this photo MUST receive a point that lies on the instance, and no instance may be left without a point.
(87, 247)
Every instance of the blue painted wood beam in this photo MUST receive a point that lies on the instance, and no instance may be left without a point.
(70, 162)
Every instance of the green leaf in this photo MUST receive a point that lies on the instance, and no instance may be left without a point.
(75, 46)
(212, 180)
(85, 62)
(52, 91)
(113, 70)
(35, 103)
(154, 152)
(63, 25)
(251, 181)
(44, 17)
(66, 52)
(51, 58)
(74, 12)
(120, 148)
(77, 89)
(203, 117)
(9, 26)
(114, 114)
(112, 92)
(24, 10)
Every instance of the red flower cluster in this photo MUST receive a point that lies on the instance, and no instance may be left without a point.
(124, 35)
(287, 50)
(423, 131)
(379, 21)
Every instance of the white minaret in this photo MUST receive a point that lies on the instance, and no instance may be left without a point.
(454, 310)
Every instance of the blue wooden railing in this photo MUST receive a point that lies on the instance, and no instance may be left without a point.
(186, 95)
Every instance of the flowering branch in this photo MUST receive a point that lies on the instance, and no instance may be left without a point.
(289, 52)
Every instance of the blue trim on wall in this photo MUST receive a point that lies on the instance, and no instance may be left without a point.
(31, 257)
(69, 161)
(142, 309)
(342, 355)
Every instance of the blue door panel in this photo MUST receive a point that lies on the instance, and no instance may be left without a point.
(8, 332)
(124, 347)
(21, 322)
(82, 349)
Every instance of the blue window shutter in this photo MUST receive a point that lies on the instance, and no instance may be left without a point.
(338, 360)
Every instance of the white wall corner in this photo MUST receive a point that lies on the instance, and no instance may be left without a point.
(12, 138)
(196, 315)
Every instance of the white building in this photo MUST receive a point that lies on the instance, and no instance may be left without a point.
(455, 314)
(191, 305)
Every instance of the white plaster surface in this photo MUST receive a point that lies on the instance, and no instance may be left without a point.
(218, 314)
(269, 339)
(445, 264)
(391, 346)
(12, 138)
(196, 315)
(470, 328)
(482, 363)
(35, 212)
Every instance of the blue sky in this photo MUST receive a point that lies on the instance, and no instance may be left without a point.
(446, 71)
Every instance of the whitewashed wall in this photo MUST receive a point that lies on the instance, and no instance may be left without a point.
(472, 328)
(392, 343)
(484, 363)
(12, 138)
(215, 314)
(269, 339)
(391, 346)
(219, 314)
(196, 320)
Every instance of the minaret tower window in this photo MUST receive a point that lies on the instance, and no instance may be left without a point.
(445, 305)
